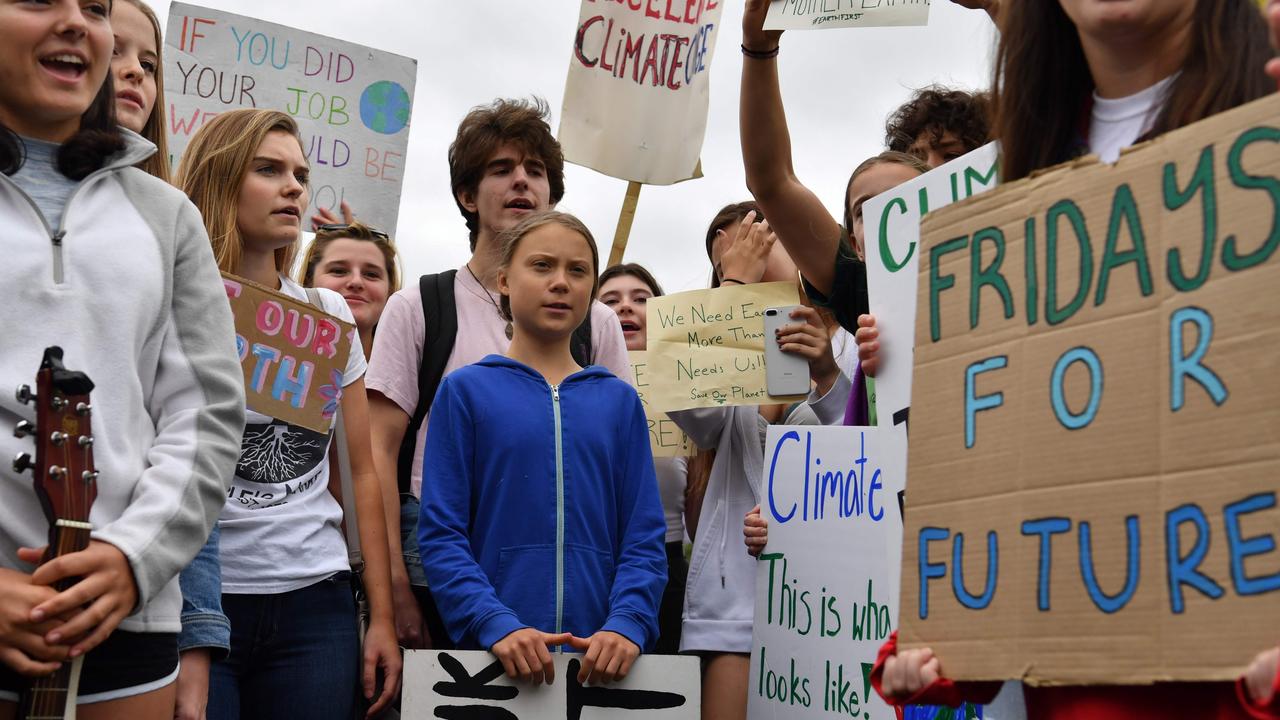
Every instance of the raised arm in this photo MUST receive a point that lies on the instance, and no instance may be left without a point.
(803, 225)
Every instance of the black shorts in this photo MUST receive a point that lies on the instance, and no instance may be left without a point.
(127, 664)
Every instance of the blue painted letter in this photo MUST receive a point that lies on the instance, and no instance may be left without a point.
(1068, 419)
(293, 383)
(1133, 571)
(1184, 570)
(1242, 548)
(957, 572)
(1046, 528)
(974, 404)
(1181, 367)
(929, 570)
(773, 467)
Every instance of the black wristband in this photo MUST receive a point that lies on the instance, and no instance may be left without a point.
(731, 280)
(761, 54)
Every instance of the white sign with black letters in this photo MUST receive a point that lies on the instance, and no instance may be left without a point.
(462, 685)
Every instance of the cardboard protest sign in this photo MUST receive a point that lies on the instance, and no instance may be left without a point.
(471, 684)
(666, 439)
(352, 103)
(293, 354)
(824, 14)
(892, 222)
(824, 587)
(707, 347)
(1095, 415)
(635, 103)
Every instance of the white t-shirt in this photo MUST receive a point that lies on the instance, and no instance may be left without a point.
(281, 529)
(1117, 123)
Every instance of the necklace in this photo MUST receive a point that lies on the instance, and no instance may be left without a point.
(487, 295)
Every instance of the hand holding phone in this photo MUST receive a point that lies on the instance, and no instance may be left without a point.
(785, 373)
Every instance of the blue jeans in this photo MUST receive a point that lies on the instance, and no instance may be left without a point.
(409, 508)
(293, 654)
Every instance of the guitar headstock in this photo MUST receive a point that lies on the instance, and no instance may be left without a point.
(65, 478)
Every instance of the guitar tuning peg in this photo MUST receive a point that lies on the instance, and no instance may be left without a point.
(22, 463)
(83, 409)
(89, 477)
(24, 395)
(23, 429)
(85, 441)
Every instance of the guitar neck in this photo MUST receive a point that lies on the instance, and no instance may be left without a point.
(65, 481)
(48, 696)
(66, 537)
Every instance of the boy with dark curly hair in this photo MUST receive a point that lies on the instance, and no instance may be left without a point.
(939, 124)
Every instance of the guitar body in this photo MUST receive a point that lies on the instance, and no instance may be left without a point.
(66, 483)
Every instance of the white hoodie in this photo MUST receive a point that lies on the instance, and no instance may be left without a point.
(131, 292)
(719, 600)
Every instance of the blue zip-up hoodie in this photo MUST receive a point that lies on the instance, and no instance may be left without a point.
(540, 506)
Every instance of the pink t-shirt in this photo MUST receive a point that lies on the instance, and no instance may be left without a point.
(397, 346)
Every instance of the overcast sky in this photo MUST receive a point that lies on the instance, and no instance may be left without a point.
(839, 85)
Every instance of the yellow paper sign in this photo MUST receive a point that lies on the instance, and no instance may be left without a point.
(706, 347)
(666, 439)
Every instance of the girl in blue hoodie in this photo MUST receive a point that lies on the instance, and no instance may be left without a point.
(540, 507)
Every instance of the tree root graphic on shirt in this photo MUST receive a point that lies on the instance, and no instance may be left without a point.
(279, 452)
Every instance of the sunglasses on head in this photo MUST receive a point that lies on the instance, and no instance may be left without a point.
(344, 227)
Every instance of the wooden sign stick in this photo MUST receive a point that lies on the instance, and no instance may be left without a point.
(623, 232)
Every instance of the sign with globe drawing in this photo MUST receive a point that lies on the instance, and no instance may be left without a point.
(353, 103)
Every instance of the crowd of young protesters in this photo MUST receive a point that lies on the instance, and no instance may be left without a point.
(498, 386)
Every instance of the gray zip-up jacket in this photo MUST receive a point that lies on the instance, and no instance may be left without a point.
(128, 287)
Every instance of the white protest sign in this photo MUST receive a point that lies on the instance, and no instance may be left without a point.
(352, 103)
(814, 14)
(460, 684)
(892, 222)
(825, 590)
(635, 103)
(827, 583)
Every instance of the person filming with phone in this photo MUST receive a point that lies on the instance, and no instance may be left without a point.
(720, 595)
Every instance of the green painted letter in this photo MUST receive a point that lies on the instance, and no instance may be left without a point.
(939, 282)
(1065, 208)
(1123, 207)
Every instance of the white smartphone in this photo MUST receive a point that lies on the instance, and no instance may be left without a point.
(785, 373)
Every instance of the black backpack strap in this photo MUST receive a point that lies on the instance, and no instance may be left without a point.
(580, 343)
(441, 318)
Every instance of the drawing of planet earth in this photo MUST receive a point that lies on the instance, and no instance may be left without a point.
(384, 107)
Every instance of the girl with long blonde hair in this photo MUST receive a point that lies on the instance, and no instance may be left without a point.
(285, 575)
